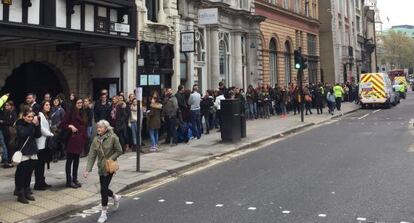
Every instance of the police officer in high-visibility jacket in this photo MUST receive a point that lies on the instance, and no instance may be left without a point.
(402, 90)
(339, 93)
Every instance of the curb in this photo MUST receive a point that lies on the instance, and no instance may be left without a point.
(59, 214)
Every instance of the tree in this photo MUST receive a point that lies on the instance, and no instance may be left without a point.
(397, 49)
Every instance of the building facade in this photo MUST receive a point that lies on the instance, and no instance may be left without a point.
(226, 38)
(338, 38)
(289, 24)
(158, 32)
(62, 46)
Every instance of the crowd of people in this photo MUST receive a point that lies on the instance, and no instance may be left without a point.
(66, 129)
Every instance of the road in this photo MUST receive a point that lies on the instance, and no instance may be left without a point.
(357, 169)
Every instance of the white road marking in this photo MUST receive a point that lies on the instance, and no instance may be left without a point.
(388, 118)
(404, 222)
(189, 202)
(161, 200)
(132, 157)
(376, 111)
(61, 172)
(364, 116)
(252, 208)
(322, 215)
(136, 198)
(219, 205)
(286, 212)
(388, 123)
(333, 192)
(361, 219)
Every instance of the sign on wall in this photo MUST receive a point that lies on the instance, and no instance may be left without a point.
(208, 16)
(153, 79)
(119, 27)
(187, 42)
(101, 24)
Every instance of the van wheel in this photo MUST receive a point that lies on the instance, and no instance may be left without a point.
(363, 106)
(387, 105)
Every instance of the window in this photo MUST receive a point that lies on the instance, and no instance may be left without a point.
(273, 62)
(358, 24)
(357, 4)
(224, 56)
(288, 72)
(272, 1)
(286, 4)
(307, 8)
(244, 4)
(200, 51)
(312, 45)
(314, 10)
(297, 6)
(152, 9)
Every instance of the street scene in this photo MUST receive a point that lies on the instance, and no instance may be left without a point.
(205, 111)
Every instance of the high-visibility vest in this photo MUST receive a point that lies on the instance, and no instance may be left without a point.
(402, 88)
(322, 90)
(338, 91)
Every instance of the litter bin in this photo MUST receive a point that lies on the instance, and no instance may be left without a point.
(231, 120)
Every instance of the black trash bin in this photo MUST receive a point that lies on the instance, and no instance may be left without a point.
(231, 120)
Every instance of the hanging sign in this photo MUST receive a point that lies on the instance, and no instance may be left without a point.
(208, 16)
(187, 42)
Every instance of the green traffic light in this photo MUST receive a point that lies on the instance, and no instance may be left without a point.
(297, 66)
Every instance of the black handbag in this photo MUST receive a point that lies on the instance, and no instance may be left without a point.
(52, 143)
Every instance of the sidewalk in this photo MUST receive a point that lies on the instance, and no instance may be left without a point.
(60, 200)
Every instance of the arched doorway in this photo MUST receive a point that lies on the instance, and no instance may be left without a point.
(273, 62)
(34, 77)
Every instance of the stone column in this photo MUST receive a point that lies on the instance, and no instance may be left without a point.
(214, 66)
(175, 80)
(236, 75)
(161, 18)
(130, 70)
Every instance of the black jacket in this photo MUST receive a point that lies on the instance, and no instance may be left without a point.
(8, 119)
(24, 131)
(205, 105)
(102, 111)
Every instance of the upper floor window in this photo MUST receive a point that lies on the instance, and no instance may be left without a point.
(286, 4)
(297, 6)
(152, 9)
(272, 1)
(357, 5)
(312, 47)
(244, 4)
(314, 9)
(358, 24)
(307, 8)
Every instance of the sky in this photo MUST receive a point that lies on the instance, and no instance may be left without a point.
(399, 12)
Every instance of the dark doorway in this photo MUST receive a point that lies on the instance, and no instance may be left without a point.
(32, 77)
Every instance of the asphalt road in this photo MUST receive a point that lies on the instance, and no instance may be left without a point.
(358, 169)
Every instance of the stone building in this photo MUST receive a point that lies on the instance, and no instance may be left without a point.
(338, 39)
(158, 33)
(224, 46)
(67, 46)
(289, 24)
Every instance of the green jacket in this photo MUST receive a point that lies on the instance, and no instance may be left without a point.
(338, 91)
(402, 88)
(110, 146)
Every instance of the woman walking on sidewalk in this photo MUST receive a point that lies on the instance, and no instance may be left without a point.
(45, 154)
(104, 146)
(27, 130)
(74, 121)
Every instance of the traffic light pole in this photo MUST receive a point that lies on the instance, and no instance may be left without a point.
(301, 97)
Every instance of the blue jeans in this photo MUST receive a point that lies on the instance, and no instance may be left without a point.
(283, 108)
(252, 110)
(196, 123)
(154, 136)
(4, 147)
(134, 132)
(89, 131)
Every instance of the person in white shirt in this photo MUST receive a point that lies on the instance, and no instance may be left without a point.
(194, 102)
(44, 154)
(217, 104)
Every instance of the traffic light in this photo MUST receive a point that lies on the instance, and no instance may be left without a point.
(298, 59)
(304, 62)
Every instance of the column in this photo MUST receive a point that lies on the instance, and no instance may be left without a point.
(130, 70)
(175, 80)
(161, 17)
(214, 65)
(237, 64)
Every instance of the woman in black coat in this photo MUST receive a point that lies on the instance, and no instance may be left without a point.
(27, 130)
(207, 106)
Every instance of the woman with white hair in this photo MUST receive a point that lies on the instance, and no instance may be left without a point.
(105, 146)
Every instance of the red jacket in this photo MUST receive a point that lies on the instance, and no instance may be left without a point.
(77, 140)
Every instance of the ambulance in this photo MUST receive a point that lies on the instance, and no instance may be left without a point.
(376, 89)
